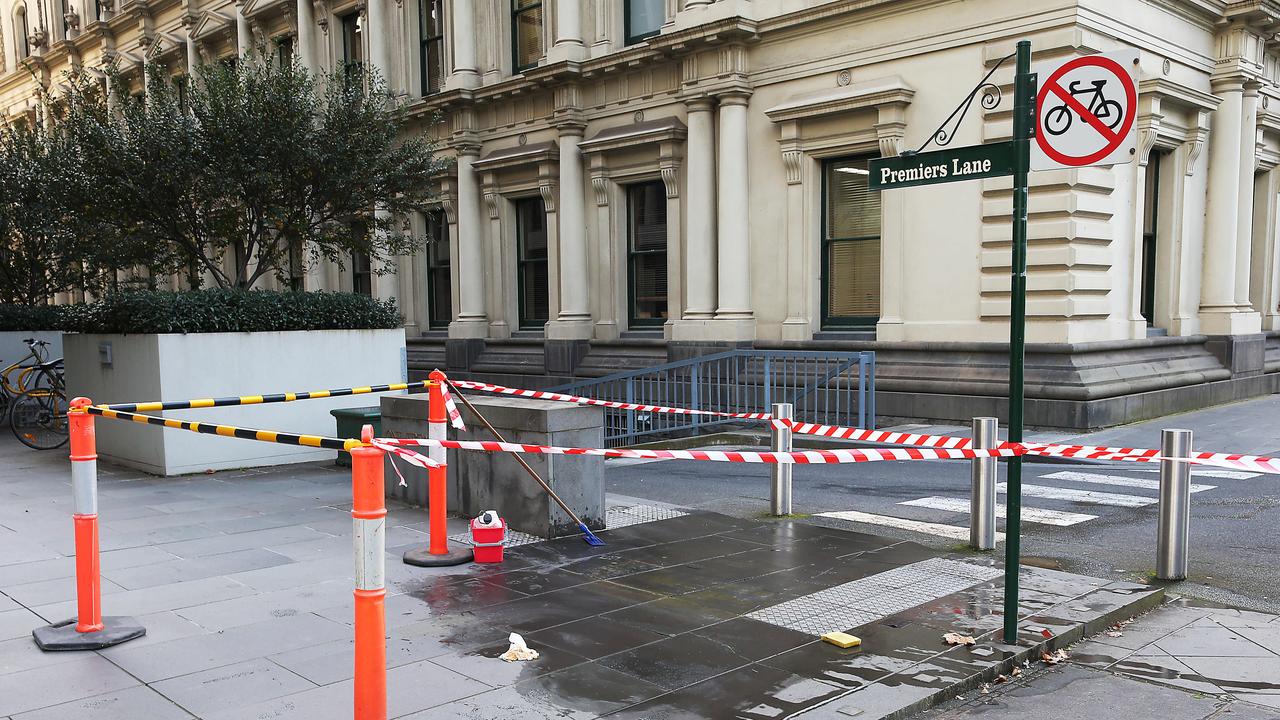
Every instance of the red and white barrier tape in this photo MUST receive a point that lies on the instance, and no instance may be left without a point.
(561, 397)
(892, 438)
(798, 457)
(1254, 463)
(451, 407)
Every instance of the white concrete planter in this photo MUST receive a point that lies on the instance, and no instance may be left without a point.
(12, 349)
(139, 368)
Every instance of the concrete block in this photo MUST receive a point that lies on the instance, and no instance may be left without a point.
(495, 481)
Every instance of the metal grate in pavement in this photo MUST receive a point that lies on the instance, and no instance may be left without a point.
(617, 516)
(876, 596)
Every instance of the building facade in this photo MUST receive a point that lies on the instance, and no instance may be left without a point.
(643, 180)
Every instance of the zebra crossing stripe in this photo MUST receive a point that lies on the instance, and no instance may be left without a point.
(936, 529)
(1197, 472)
(1081, 496)
(1116, 480)
(1029, 514)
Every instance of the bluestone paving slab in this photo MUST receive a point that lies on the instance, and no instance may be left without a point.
(47, 592)
(478, 663)
(1211, 642)
(1239, 674)
(410, 688)
(41, 687)
(135, 703)
(252, 608)
(65, 567)
(225, 543)
(19, 623)
(202, 652)
(21, 653)
(753, 691)
(161, 627)
(162, 597)
(182, 570)
(292, 574)
(7, 603)
(231, 686)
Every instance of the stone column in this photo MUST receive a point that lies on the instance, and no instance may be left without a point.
(1264, 280)
(471, 321)
(700, 224)
(669, 163)
(306, 47)
(1218, 309)
(568, 44)
(244, 37)
(574, 319)
(378, 37)
(193, 58)
(1247, 167)
(465, 73)
(733, 222)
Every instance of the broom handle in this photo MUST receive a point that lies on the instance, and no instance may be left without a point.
(533, 473)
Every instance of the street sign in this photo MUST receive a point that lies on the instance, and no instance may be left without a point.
(1085, 111)
(942, 166)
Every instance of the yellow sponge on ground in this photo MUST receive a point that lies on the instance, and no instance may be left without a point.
(844, 640)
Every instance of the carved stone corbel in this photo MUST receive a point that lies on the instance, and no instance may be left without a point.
(791, 163)
(1195, 140)
(548, 192)
(600, 187)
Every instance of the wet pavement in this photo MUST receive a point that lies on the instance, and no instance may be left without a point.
(243, 582)
(1183, 660)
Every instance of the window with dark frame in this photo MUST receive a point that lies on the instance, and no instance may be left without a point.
(532, 274)
(297, 265)
(526, 34)
(352, 42)
(284, 51)
(439, 280)
(643, 19)
(850, 246)
(1150, 223)
(21, 30)
(647, 253)
(431, 39)
(62, 19)
(361, 274)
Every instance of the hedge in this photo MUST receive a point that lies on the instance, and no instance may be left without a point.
(205, 311)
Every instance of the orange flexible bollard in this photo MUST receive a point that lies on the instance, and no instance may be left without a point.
(369, 519)
(89, 631)
(438, 553)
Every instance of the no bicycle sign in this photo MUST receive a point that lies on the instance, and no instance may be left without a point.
(1085, 111)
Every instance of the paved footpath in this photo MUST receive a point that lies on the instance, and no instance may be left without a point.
(243, 582)
(1181, 661)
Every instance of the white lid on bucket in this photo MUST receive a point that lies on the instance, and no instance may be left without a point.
(489, 518)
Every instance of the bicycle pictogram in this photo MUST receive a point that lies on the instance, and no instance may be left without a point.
(1058, 119)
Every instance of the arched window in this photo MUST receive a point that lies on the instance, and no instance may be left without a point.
(20, 42)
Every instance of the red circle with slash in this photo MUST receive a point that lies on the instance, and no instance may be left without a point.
(1114, 138)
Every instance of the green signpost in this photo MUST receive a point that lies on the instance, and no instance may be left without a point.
(972, 163)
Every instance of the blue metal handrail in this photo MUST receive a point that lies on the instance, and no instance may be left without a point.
(835, 388)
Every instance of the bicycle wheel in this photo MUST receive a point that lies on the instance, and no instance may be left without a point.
(1057, 120)
(39, 420)
(1110, 112)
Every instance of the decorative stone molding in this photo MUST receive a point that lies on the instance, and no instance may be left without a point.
(449, 204)
(671, 179)
(548, 192)
(600, 186)
(72, 20)
(492, 201)
(792, 162)
(645, 133)
(1196, 139)
(1148, 131)
(320, 11)
(889, 92)
(519, 156)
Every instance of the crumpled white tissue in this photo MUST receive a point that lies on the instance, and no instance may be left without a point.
(518, 650)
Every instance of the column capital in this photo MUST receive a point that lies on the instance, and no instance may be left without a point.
(735, 96)
(700, 103)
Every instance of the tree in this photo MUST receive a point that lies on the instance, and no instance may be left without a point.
(254, 162)
(42, 241)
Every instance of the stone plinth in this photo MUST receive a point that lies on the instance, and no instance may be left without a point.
(481, 481)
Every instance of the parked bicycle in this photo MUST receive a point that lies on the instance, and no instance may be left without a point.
(1057, 120)
(38, 417)
(31, 372)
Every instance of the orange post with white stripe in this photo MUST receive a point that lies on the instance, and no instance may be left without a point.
(89, 630)
(369, 520)
(438, 553)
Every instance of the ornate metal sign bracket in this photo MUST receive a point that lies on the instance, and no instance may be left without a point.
(991, 97)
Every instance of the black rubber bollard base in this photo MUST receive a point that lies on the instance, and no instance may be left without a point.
(455, 556)
(63, 635)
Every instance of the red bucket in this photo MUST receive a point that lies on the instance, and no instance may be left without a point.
(488, 539)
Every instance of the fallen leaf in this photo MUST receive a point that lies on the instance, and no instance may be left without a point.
(952, 638)
(1114, 633)
(985, 689)
(1054, 657)
(1002, 678)
(1015, 672)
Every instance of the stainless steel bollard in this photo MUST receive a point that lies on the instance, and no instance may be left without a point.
(982, 497)
(780, 496)
(1175, 505)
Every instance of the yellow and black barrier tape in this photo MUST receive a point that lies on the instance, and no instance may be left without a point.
(262, 399)
(271, 436)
